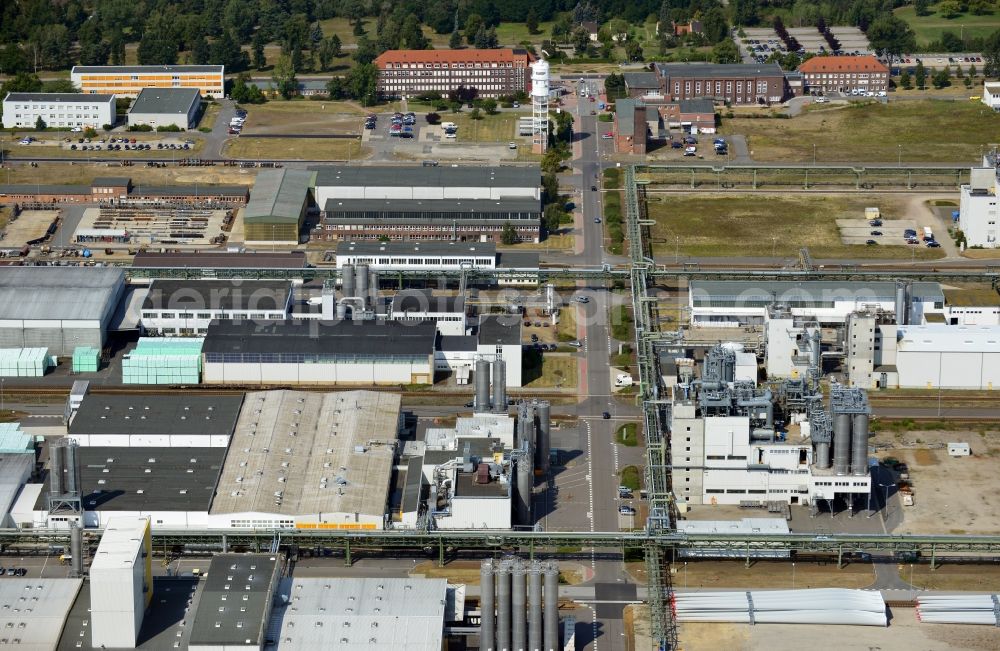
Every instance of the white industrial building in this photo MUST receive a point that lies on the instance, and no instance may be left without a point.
(171, 420)
(403, 255)
(729, 447)
(496, 336)
(121, 582)
(309, 461)
(742, 303)
(186, 307)
(946, 357)
(165, 107)
(991, 94)
(58, 110)
(365, 614)
(977, 206)
(425, 183)
(358, 353)
(58, 308)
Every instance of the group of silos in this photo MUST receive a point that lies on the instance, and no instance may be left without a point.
(849, 412)
(65, 491)
(486, 401)
(515, 617)
(531, 456)
(358, 286)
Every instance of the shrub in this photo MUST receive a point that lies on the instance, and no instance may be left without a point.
(168, 128)
(140, 127)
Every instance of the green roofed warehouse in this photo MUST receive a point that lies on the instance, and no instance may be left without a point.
(277, 207)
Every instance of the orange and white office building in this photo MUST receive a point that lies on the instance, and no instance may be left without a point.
(128, 81)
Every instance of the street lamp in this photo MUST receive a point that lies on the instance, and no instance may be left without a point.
(814, 154)
(677, 249)
(774, 246)
(793, 575)
(899, 156)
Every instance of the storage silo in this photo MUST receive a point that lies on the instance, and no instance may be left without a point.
(361, 282)
(859, 438)
(502, 577)
(551, 614)
(347, 281)
(535, 570)
(841, 443)
(499, 386)
(482, 380)
(518, 607)
(487, 607)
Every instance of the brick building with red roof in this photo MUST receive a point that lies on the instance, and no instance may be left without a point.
(845, 74)
(493, 73)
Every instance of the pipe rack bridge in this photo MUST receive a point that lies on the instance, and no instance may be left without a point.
(607, 272)
(540, 541)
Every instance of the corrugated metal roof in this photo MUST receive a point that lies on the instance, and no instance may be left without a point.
(225, 620)
(121, 543)
(743, 526)
(233, 294)
(332, 466)
(703, 292)
(278, 195)
(423, 247)
(68, 293)
(166, 413)
(363, 614)
(348, 338)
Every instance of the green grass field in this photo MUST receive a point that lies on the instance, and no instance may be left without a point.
(249, 147)
(755, 225)
(913, 131)
(304, 116)
(501, 127)
(929, 28)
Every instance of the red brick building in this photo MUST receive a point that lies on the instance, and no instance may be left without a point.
(493, 73)
(733, 83)
(845, 74)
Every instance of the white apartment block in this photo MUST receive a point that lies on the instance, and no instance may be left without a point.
(62, 110)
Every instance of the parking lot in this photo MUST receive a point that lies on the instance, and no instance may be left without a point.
(760, 42)
(117, 145)
(890, 233)
(935, 61)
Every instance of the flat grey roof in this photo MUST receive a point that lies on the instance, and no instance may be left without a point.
(625, 114)
(163, 625)
(66, 293)
(179, 479)
(751, 292)
(518, 259)
(424, 300)
(156, 413)
(502, 328)
(38, 188)
(420, 207)
(719, 70)
(336, 466)
(33, 610)
(165, 100)
(457, 343)
(353, 338)
(147, 69)
(278, 194)
(641, 80)
(413, 483)
(234, 602)
(496, 177)
(111, 182)
(57, 97)
(698, 105)
(422, 247)
(363, 614)
(209, 260)
(235, 294)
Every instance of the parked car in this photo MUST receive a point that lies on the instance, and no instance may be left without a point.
(511, 145)
(876, 233)
(875, 222)
(574, 344)
(676, 144)
(608, 136)
(626, 510)
(871, 243)
(582, 299)
(931, 244)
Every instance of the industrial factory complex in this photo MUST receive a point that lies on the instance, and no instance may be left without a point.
(422, 385)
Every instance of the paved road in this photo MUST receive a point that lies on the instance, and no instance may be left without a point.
(215, 140)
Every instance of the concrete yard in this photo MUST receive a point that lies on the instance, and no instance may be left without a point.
(952, 495)
(29, 226)
(197, 228)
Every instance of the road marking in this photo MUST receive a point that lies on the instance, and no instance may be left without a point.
(593, 624)
(590, 483)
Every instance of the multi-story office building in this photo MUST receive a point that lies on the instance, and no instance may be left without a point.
(22, 110)
(128, 81)
(735, 83)
(493, 73)
(845, 74)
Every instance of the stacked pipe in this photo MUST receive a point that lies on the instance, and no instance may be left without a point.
(959, 609)
(819, 606)
(525, 621)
